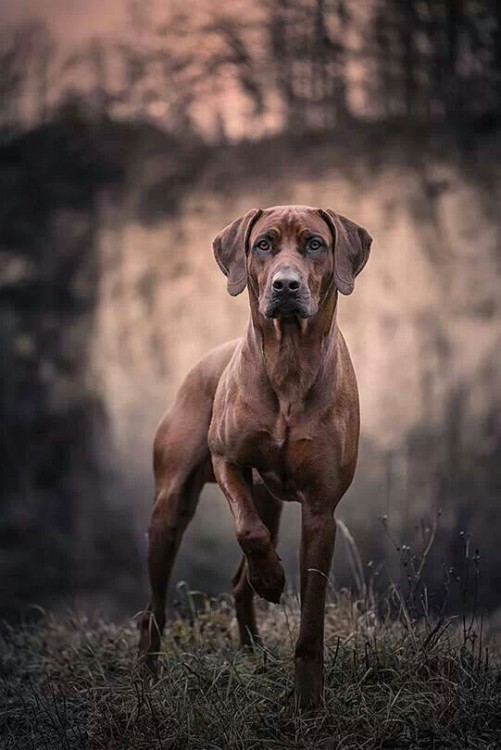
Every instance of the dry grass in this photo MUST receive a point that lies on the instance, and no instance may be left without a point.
(390, 683)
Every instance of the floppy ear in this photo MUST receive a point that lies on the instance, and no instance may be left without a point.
(352, 245)
(230, 250)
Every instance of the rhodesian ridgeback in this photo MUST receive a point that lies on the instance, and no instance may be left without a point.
(273, 416)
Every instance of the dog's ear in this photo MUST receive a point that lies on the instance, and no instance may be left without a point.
(230, 250)
(352, 245)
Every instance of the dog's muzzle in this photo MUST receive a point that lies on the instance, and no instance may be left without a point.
(287, 295)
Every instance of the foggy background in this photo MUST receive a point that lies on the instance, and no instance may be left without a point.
(130, 134)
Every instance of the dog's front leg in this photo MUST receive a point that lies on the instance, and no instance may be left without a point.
(266, 575)
(317, 547)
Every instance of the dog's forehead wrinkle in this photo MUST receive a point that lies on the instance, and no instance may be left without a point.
(290, 214)
(293, 221)
(290, 209)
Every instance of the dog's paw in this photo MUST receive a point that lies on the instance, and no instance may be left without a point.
(308, 684)
(267, 578)
(148, 664)
(149, 643)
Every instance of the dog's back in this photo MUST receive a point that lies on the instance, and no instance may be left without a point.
(180, 446)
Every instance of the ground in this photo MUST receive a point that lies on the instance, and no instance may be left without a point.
(391, 682)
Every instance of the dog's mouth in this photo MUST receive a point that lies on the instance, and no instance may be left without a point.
(288, 308)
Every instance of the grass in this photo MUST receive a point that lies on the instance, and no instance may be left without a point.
(391, 682)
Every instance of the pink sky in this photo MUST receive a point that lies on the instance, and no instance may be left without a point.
(70, 20)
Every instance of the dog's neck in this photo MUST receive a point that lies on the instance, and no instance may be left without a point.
(295, 352)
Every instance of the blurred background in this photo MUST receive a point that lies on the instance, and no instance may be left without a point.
(130, 134)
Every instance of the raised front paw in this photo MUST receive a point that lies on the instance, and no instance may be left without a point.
(267, 577)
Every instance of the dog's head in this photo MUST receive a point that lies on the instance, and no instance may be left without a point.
(292, 257)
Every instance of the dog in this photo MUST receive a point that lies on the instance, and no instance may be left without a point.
(270, 417)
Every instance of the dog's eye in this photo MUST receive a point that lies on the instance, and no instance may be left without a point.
(314, 244)
(263, 245)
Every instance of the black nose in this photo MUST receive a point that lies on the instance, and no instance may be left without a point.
(286, 281)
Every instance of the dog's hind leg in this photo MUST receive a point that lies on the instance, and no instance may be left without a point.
(270, 510)
(174, 508)
(182, 466)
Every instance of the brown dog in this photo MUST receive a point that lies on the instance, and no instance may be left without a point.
(273, 416)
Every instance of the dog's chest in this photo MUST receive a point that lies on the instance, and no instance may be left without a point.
(282, 457)
(270, 446)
